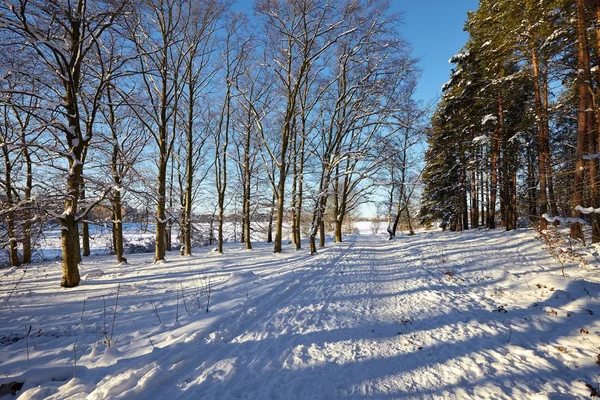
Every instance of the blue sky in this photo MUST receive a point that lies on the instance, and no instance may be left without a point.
(435, 30)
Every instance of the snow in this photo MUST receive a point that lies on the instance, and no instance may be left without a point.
(563, 220)
(482, 139)
(590, 156)
(478, 314)
(587, 210)
(487, 118)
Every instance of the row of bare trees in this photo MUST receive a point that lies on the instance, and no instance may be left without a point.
(114, 101)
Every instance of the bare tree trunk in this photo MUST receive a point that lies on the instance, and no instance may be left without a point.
(189, 180)
(70, 252)
(70, 230)
(280, 206)
(270, 225)
(13, 249)
(411, 231)
(118, 228)
(161, 215)
(85, 229)
(294, 189)
(338, 230)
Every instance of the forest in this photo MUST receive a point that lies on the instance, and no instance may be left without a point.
(296, 113)
(514, 139)
(251, 200)
(291, 115)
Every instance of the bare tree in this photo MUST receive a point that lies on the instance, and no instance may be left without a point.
(198, 45)
(370, 67)
(62, 36)
(156, 31)
(234, 54)
(298, 33)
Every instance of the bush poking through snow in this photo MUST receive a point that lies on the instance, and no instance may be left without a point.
(560, 247)
(202, 292)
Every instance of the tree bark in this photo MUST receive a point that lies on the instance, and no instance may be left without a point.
(541, 147)
(118, 228)
(583, 80)
(161, 215)
(85, 230)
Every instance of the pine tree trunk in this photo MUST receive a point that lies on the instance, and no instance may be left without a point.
(474, 199)
(582, 120)
(495, 150)
(549, 173)
(463, 187)
(541, 148)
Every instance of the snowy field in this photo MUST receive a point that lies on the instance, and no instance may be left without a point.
(438, 315)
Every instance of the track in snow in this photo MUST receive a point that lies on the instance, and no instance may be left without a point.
(366, 319)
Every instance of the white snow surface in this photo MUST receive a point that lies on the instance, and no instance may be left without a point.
(479, 314)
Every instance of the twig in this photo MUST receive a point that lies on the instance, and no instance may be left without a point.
(82, 310)
(177, 308)
(27, 332)
(593, 344)
(207, 292)
(75, 360)
(10, 294)
(155, 310)
(183, 296)
(112, 329)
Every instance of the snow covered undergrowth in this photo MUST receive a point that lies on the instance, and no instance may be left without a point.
(449, 315)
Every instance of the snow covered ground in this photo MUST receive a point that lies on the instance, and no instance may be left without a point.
(437, 315)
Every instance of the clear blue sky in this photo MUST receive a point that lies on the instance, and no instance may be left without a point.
(435, 30)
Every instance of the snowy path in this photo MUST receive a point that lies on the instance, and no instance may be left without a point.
(377, 321)
(479, 315)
